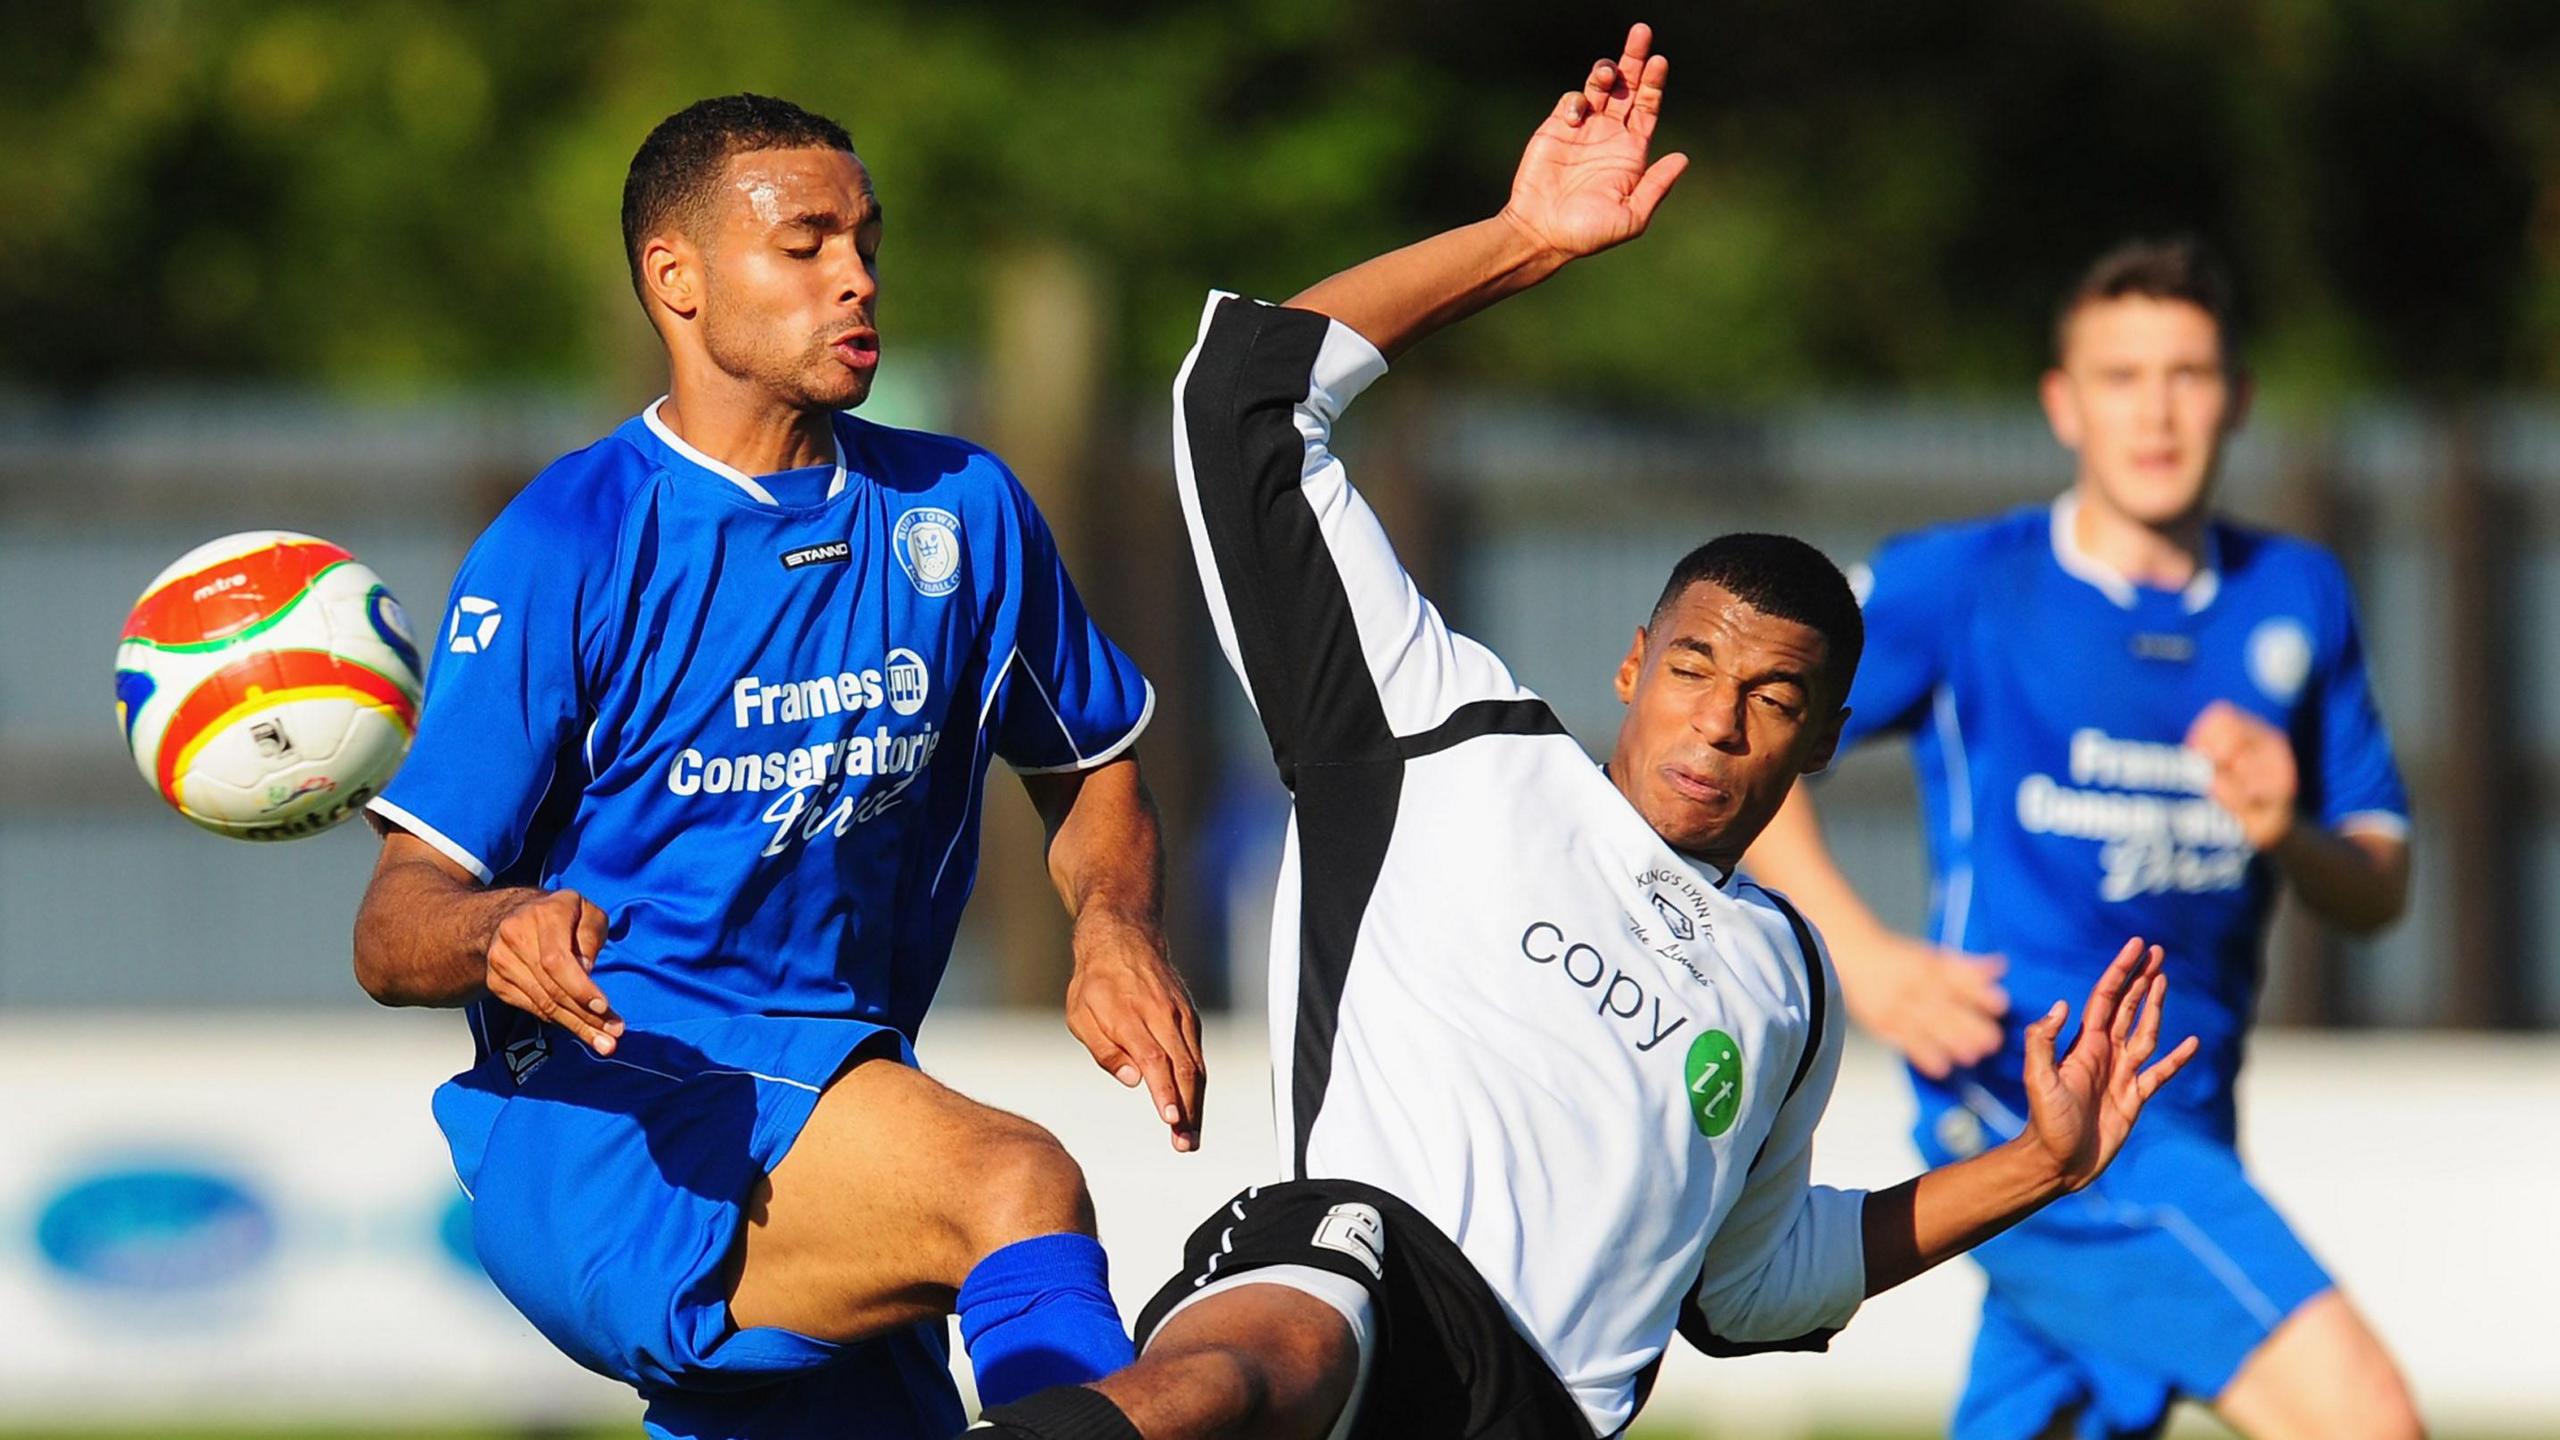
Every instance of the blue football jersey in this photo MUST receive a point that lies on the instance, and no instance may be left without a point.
(2048, 699)
(751, 718)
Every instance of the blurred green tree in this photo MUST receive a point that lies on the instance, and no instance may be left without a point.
(402, 196)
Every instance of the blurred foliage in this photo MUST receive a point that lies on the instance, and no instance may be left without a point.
(404, 196)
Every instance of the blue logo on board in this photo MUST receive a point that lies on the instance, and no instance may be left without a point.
(155, 1229)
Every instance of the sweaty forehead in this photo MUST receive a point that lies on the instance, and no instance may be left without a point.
(1739, 633)
(764, 188)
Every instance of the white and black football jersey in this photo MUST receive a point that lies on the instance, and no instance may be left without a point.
(1591, 1061)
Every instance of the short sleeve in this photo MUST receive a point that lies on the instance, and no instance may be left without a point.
(1070, 698)
(506, 691)
(1911, 594)
(2359, 781)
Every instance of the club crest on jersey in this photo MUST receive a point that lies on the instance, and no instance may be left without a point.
(928, 545)
(1673, 917)
(2279, 658)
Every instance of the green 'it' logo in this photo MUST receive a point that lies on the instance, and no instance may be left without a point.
(1715, 1082)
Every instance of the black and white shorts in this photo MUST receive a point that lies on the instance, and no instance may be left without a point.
(1439, 1358)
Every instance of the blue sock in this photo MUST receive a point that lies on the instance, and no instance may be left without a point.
(1038, 1313)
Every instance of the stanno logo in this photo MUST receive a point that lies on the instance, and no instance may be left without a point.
(928, 545)
(834, 552)
(474, 625)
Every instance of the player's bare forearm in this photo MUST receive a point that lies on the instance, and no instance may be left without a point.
(1935, 1217)
(1587, 181)
(1125, 1000)
(427, 935)
(1400, 297)
(1940, 1008)
(2357, 880)
(422, 931)
(1106, 850)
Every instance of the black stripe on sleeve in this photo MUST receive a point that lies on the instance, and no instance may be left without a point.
(1292, 614)
(1300, 650)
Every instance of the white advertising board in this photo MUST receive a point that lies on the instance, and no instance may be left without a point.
(254, 1220)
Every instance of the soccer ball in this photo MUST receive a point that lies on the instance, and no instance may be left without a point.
(267, 685)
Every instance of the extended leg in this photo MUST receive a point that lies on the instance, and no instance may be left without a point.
(2323, 1375)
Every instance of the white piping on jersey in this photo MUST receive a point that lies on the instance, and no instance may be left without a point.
(1052, 707)
(732, 473)
(1956, 904)
(590, 746)
(698, 1074)
(977, 773)
(2083, 566)
(1146, 712)
(2389, 824)
(443, 843)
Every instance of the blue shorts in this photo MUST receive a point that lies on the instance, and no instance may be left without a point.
(2154, 1283)
(608, 1194)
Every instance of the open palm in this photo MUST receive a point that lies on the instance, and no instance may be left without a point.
(2081, 1109)
(1585, 183)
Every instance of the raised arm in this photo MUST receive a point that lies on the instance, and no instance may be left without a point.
(1584, 185)
(1340, 654)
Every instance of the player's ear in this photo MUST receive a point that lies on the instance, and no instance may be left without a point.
(671, 268)
(1631, 669)
(2059, 411)
(1826, 744)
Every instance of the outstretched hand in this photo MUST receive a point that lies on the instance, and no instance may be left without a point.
(2080, 1110)
(1584, 183)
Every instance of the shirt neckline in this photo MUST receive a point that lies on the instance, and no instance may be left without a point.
(755, 490)
(2080, 565)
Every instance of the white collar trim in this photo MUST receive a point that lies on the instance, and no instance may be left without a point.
(2110, 582)
(732, 473)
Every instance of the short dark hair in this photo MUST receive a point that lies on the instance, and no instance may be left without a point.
(1781, 576)
(2180, 267)
(677, 169)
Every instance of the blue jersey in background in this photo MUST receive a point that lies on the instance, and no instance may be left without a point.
(2048, 701)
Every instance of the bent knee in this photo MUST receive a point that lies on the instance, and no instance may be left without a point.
(1022, 1183)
